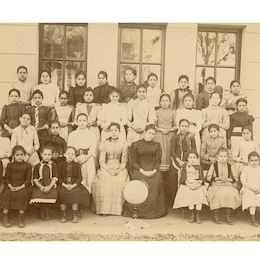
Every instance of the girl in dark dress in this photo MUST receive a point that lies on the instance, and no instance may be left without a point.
(70, 189)
(18, 186)
(11, 113)
(145, 159)
(45, 176)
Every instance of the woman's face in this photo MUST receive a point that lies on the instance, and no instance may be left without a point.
(114, 132)
(210, 85)
(80, 80)
(88, 97)
(102, 80)
(215, 99)
(188, 102)
(141, 93)
(152, 81)
(45, 78)
(183, 83)
(14, 97)
(149, 135)
(235, 88)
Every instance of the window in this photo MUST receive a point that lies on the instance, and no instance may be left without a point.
(63, 51)
(141, 47)
(218, 55)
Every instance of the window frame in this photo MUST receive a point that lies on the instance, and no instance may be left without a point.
(142, 26)
(64, 59)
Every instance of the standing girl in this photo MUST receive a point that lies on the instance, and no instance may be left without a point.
(11, 113)
(18, 184)
(64, 114)
(26, 136)
(45, 176)
(140, 112)
(178, 94)
(50, 91)
(114, 112)
(93, 112)
(214, 114)
(84, 141)
(194, 116)
(192, 192)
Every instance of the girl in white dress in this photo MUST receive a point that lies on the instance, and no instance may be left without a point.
(114, 112)
(84, 141)
(250, 179)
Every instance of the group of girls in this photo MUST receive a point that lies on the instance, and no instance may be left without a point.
(69, 147)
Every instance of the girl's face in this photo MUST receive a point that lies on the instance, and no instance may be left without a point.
(210, 85)
(114, 132)
(222, 157)
(102, 80)
(246, 134)
(184, 127)
(192, 159)
(14, 97)
(46, 155)
(213, 132)
(37, 98)
(45, 78)
(129, 76)
(149, 135)
(141, 93)
(183, 83)
(55, 129)
(82, 122)
(88, 97)
(235, 88)
(254, 161)
(152, 81)
(70, 155)
(19, 156)
(241, 107)
(81, 80)
(25, 120)
(215, 99)
(188, 102)
(22, 74)
(165, 102)
(63, 99)
(114, 97)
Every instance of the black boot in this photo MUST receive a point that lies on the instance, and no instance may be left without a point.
(63, 216)
(253, 222)
(198, 220)
(6, 220)
(182, 212)
(192, 216)
(74, 216)
(215, 218)
(47, 214)
(228, 219)
(79, 212)
(21, 220)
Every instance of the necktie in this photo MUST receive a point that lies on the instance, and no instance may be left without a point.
(37, 117)
(89, 108)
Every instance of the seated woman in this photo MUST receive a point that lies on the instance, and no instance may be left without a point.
(144, 162)
(111, 178)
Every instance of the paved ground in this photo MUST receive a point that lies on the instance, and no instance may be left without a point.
(94, 227)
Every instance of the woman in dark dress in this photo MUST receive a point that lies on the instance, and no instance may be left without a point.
(18, 186)
(144, 162)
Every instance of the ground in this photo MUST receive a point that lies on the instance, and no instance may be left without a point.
(92, 227)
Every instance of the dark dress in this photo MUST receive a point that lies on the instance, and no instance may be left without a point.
(58, 145)
(147, 155)
(17, 173)
(128, 91)
(10, 116)
(44, 119)
(101, 94)
(76, 94)
(45, 173)
(70, 173)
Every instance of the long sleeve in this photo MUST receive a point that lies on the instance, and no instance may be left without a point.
(55, 173)
(57, 93)
(257, 148)
(99, 115)
(193, 144)
(8, 151)
(14, 138)
(48, 116)
(36, 143)
(174, 145)
(200, 100)
(243, 176)
(230, 129)
(63, 146)
(158, 156)
(172, 95)
(234, 174)
(123, 114)
(36, 172)
(102, 155)
(79, 175)
(133, 157)
(71, 96)
(206, 123)
(1, 171)
(226, 121)
(54, 115)
(210, 174)
(151, 115)
(183, 175)
(124, 156)
(77, 112)
(130, 110)
(28, 175)
(199, 122)
(8, 174)
(201, 175)
(4, 115)
(92, 145)
(203, 150)
(236, 152)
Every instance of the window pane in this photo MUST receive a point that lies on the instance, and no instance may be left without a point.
(123, 67)
(224, 77)
(53, 41)
(147, 69)
(201, 75)
(130, 44)
(75, 41)
(71, 69)
(227, 49)
(152, 45)
(55, 68)
(206, 43)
